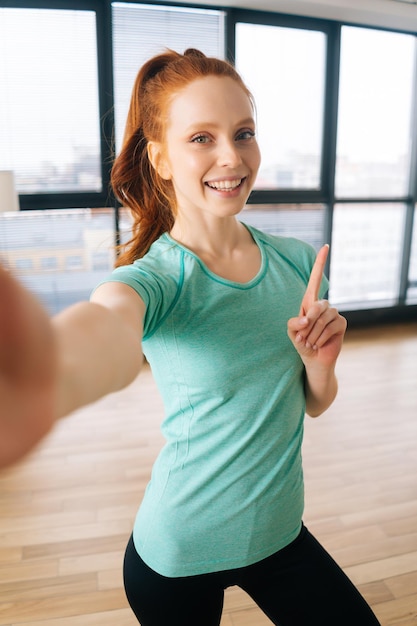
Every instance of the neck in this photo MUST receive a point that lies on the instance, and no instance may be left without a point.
(217, 237)
(224, 245)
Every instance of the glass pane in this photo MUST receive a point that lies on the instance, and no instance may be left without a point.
(366, 255)
(140, 31)
(303, 221)
(285, 70)
(49, 114)
(373, 144)
(412, 274)
(125, 225)
(60, 255)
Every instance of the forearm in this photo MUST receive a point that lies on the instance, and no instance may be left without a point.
(320, 388)
(96, 354)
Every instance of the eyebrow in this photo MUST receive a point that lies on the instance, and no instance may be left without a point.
(248, 121)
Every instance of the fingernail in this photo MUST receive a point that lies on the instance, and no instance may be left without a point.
(299, 338)
(303, 321)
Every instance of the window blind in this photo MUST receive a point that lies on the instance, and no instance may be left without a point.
(141, 31)
(59, 255)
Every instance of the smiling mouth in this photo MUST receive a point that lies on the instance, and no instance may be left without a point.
(226, 185)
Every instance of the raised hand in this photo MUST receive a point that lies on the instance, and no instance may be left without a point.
(317, 333)
(27, 370)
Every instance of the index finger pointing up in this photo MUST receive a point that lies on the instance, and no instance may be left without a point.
(313, 288)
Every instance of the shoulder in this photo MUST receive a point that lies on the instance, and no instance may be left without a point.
(295, 251)
(159, 270)
(298, 256)
(157, 277)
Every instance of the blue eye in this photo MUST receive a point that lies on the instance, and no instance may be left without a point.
(200, 139)
(245, 135)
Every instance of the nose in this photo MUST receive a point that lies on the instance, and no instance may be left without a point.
(229, 154)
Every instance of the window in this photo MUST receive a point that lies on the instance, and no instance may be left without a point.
(49, 117)
(337, 128)
(140, 31)
(303, 221)
(75, 252)
(49, 263)
(101, 261)
(366, 254)
(285, 70)
(373, 144)
(24, 264)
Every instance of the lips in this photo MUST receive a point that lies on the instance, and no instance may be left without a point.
(225, 185)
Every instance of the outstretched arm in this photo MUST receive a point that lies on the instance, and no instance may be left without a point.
(98, 345)
(317, 334)
(50, 367)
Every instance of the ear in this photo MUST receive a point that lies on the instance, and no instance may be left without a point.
(158, 160)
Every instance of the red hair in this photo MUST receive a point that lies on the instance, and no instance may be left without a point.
(135, 182)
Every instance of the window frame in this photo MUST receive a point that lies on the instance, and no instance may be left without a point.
(325, 195)
(401, 310)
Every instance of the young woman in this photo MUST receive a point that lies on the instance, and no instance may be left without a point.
(241, 346)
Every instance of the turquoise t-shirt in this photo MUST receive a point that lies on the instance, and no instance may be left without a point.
(227, 487)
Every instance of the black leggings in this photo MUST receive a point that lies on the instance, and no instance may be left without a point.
(300, 585)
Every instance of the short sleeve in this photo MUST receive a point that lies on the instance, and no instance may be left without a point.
(157, 286)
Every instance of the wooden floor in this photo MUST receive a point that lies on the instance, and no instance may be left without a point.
(67, 511)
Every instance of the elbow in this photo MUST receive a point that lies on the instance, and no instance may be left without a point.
(314, 412)
(316, 407)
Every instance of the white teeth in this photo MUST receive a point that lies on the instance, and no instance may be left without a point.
(225, 185)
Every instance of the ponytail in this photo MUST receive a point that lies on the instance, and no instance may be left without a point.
(135, 185)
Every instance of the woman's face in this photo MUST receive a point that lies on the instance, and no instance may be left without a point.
(210, 153)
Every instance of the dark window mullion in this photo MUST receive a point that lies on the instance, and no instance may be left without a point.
(410, 213)
(106, 95)
(331, 105)
(230, 35)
